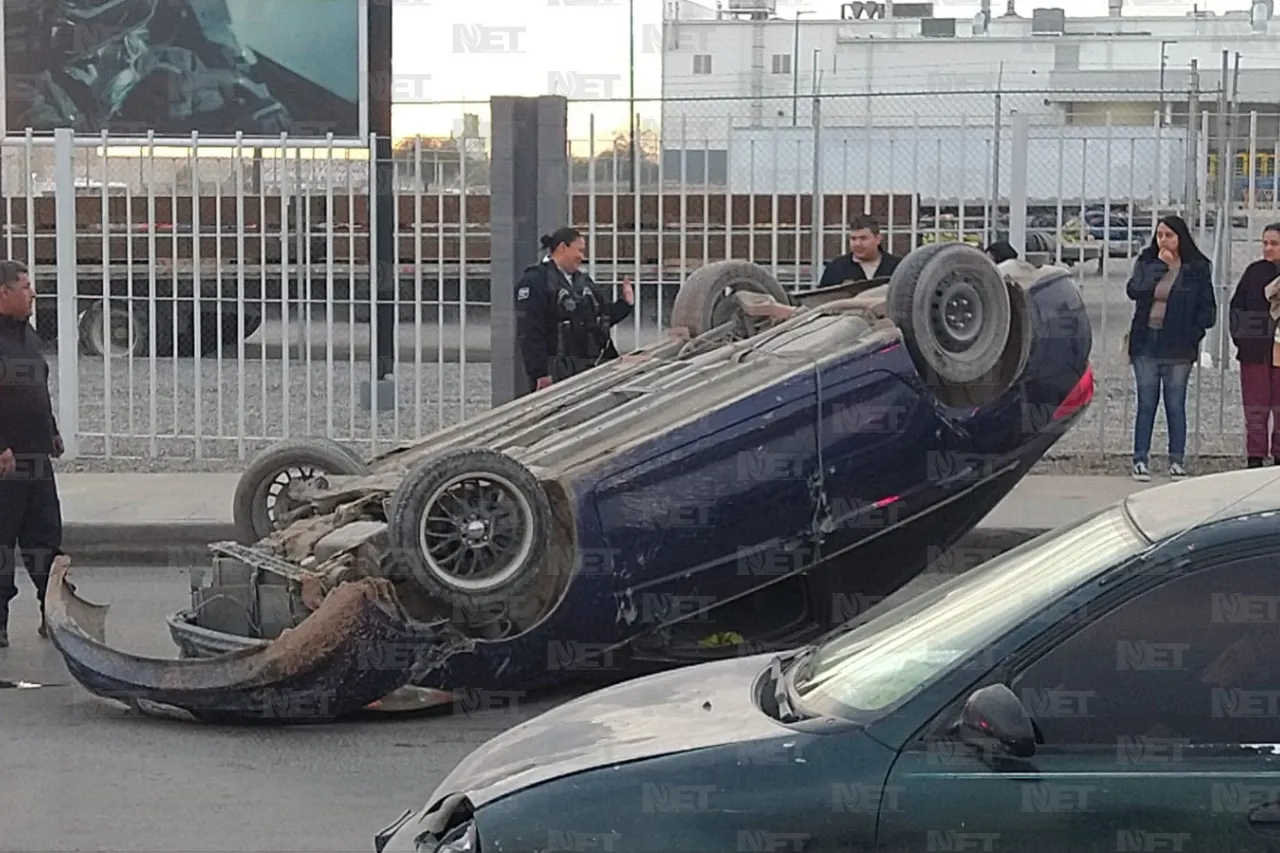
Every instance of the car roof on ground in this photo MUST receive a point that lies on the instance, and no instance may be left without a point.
(1167, 510)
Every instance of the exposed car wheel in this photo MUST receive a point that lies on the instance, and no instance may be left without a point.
(703, 303)
(112, 328)
(262, 496)
(953, 307)
(472, 526)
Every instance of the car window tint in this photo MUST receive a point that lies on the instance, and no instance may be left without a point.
(1196, 658)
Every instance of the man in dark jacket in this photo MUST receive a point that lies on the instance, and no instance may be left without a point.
(30, 512)
(1253, 331)
(562, 318)
(865, 260)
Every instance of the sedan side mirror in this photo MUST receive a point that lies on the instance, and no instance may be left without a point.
(995, 713)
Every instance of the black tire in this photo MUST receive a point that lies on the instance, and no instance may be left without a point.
(251, 507)
(124, 332)
(417, 503)
(701, 303)
(954, 311)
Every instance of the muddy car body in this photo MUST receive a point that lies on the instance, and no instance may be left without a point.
(780, 460)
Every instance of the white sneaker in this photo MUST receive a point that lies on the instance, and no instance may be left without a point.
(1141, 472)
(1176, 471)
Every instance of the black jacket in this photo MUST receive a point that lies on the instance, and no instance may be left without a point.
(27, 423)
(1192, 308)
(538, 326)
(846, 268)
(1252, 329)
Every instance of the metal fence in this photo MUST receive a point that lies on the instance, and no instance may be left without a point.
(204, 298)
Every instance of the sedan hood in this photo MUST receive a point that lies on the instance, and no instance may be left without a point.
(690, 708)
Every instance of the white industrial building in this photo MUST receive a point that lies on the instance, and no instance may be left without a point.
(738, 95)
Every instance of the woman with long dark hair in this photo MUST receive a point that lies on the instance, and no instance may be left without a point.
(1174, 305)
(1253, 331)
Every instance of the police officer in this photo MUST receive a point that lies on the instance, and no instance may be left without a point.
(562, 317)
(30, 512)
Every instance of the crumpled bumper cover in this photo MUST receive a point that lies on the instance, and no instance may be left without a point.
(327, 667)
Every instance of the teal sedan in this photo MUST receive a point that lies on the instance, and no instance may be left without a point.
(1113, 685)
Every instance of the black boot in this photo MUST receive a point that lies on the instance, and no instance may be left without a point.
(1255, 462)
(4, 628)
(43, 630)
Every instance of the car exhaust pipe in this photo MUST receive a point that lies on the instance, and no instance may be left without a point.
(332, 665)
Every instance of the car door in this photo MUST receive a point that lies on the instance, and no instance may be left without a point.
(728, 507)
(1145, 712)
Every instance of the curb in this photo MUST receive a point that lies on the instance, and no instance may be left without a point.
(164, 544)
(183, 544)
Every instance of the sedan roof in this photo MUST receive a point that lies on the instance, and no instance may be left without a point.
(1167, 510)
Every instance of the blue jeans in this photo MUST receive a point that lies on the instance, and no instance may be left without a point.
(1153, 376)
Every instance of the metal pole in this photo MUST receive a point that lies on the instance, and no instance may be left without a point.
(64, 182)
(1193, 145)
(819, 197)
(631, 99)
(795, 74)
(994, 217)
(1163, 61)
(1018, 183)
(1225, 273)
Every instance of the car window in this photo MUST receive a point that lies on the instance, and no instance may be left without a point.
(878, 665)
(1196, 658)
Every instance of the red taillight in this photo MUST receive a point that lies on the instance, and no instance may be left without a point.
(1080, 396)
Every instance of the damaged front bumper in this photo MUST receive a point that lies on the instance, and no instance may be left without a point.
(331, 664)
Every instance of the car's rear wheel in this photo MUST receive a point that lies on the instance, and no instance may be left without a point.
(954, 310)
(472, 527)
(705, 299)
(262, 498)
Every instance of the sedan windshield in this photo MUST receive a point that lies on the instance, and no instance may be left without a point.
(899, 653)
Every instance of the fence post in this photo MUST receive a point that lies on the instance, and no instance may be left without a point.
(529, 186)
(64, 158)
(1019, 143)
(378, 393)
(819, 214)
(1193, 144)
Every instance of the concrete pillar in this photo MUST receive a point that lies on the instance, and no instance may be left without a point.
(529, 186)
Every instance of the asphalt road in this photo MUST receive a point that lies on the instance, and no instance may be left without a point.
(81, 773)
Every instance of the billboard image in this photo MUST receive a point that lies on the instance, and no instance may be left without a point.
(263, 67)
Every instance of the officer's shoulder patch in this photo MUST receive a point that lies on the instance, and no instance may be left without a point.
(523, 293)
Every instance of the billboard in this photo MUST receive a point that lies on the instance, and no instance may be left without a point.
(262, 67)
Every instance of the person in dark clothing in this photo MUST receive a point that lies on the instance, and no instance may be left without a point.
(1174, 305)
(865, 259)
(562, 317)
(1253, 331)
(30, 511)
(1001, 251)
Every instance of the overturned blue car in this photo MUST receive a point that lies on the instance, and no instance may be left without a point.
(732, 489)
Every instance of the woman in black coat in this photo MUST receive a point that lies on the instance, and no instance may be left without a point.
(1253, 332)
(1174, 305)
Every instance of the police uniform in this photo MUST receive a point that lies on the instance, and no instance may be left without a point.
(563, 322)
(30, 511)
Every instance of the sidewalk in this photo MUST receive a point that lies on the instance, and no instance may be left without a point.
(149, 518)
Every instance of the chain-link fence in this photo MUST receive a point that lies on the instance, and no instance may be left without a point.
(659, 188)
